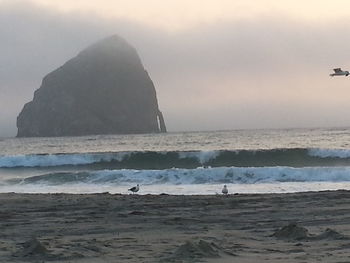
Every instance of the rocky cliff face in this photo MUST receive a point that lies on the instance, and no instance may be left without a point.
(103, 90)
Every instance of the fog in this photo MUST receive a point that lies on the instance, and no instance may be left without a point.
(264, 72)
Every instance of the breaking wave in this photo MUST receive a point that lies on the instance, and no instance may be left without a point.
(238, 175)
(297, 157)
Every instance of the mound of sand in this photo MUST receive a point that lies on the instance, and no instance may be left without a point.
(330, 234)
(32, 247)
(292, 232)
(192, 250)
(295, 232)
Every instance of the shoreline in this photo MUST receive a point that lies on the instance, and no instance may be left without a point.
(182, 189)
(107, 227)
(2, 194)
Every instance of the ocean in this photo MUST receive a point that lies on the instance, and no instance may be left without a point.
(247, 161)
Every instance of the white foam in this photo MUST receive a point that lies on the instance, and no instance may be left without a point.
(176, 176)
(324, 153)
(240, 175)
(201, 156)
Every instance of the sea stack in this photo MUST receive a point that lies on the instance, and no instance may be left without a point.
(103, 90)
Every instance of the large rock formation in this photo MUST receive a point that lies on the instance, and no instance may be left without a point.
(103, 90)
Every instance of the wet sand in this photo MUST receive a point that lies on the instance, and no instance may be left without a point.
(164, 228)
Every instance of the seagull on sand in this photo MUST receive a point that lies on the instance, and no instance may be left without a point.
(134, 189)
(225, 190)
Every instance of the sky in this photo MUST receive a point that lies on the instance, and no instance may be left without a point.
(216, 64)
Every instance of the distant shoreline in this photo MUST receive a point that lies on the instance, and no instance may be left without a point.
(188, 131)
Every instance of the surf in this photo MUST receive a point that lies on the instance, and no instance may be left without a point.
(292, 157)
(201, 175)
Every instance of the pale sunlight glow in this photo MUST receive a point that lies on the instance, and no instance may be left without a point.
(179, 14)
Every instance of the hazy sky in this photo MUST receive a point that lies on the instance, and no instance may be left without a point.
(216, 64)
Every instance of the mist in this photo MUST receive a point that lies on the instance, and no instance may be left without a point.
(267, 72)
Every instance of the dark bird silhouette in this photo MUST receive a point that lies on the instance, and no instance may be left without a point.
(134, 189)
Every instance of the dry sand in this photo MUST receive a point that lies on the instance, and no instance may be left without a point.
(302, 227)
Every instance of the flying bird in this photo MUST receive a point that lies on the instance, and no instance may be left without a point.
(339, 72)
(225, 190)
(134, 189)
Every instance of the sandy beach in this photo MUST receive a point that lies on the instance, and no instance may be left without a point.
(300, 227)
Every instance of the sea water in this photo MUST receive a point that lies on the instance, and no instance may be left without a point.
(247, 161)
